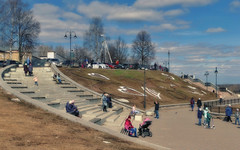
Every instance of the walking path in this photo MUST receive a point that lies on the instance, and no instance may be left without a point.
(177, 130)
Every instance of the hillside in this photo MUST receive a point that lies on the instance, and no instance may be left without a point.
(172, 89)
(232, 87)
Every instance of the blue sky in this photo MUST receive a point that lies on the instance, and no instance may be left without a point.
(200, 34)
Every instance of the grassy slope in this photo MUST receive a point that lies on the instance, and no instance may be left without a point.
(179, 93)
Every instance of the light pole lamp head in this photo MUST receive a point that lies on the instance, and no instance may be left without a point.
(75, 36)
(216, 71)
(65, 36)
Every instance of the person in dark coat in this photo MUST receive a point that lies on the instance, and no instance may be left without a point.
(199, 115)
(192, 103)
(71, 108)
(109, 101)
(30, 69)
(25, 68)
(156, 109)
(228, 112)
(199, 103)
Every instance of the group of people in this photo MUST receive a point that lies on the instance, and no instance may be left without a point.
(229, 112)
(106, 101)
(28, 68)
(57, 78)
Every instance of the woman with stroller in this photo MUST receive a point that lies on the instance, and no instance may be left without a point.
(129, 127)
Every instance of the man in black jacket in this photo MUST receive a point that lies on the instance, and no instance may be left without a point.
(156, 109)
(199, 103)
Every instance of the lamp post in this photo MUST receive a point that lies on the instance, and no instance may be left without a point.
(216, 72)
(206, 74)
(144, 102)
(70, 34)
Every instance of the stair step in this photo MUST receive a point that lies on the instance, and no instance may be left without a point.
(75, 91)
(10, 79)
(95, 120)
(27, 92)
(14, 83)
(113, 118)
(38, 98)
(72, 87)
(84, 95)
(19, 87)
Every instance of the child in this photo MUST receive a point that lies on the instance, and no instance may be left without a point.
(35, 79)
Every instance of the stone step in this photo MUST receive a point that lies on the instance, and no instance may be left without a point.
(14, 83)
(84, 95)
(86, 109)
(38, 97)
(27, 92)
(19, 87)
(73, 91)
(112, 118)
(10, 79)
(68, 87)
(95, 120)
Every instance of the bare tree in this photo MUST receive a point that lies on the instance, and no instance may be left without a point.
(92, 38)
(121, 50)
(42, 50)
(18, 26)
(60, 51)
(142, 48)
(81, 54)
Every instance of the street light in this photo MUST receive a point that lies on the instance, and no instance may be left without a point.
(206, 74)
(144, 102)
(71, 34)
(216, 72)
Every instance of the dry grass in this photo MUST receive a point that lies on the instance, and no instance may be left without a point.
(172, 91)
(25, 127)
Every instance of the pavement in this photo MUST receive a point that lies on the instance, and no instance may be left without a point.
(176, 129)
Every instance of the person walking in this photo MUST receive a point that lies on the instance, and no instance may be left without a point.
(228, 112)
(237, 117)
(30, 69)
(35, 79)
(192, 103)
(156, 109)
(104, 101)
(208, 118)
(200, 114)
(205, 115)
(199, 103)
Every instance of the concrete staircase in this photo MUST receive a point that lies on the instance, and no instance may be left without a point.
(57, 95)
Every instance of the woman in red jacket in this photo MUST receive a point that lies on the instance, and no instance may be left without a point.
(129, 127)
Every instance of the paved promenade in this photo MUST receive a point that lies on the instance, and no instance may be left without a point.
(177, 129)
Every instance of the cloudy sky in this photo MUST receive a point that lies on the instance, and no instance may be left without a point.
(200, 34)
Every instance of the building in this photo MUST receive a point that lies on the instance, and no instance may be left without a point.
(6, 54)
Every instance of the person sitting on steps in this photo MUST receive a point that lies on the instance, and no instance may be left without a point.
(129, 127)
(59, 79)
(72, 109)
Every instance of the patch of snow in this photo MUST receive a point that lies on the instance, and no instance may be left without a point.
(191, 87)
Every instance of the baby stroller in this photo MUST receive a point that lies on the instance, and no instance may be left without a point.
(143, 129)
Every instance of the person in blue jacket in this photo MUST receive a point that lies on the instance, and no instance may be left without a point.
(71, 108)
(228, 112)
(200, 114)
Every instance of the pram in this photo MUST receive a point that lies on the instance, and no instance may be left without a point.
(143, 129)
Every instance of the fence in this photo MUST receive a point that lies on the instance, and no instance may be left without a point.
(219, 105)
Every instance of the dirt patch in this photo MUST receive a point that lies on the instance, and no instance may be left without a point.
(25, 127)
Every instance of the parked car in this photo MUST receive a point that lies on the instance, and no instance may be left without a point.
(2, 63)
(98, 66)
(111, 66)
(10, 62)
(120, 66)
(55, 62)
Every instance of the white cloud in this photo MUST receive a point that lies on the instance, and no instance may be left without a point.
(55, 22)
(118, 12)
(164, 3)
(174, 12)
(234, 5)
(214, 30)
